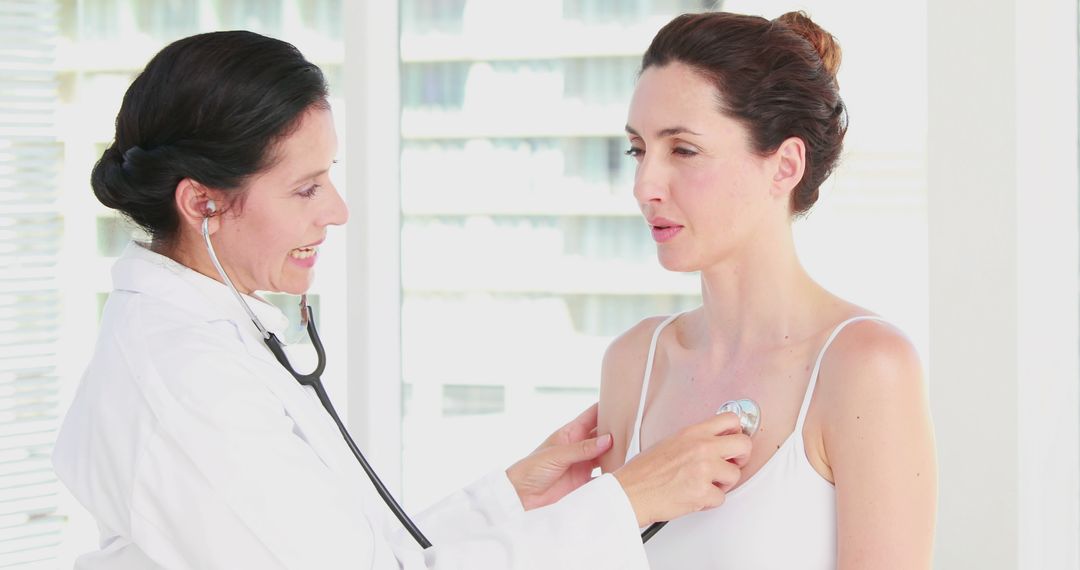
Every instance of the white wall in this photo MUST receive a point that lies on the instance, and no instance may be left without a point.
(1003, 281)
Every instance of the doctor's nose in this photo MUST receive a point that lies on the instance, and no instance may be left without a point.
(337, 212)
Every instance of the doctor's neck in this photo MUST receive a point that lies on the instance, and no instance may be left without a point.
(190, 252)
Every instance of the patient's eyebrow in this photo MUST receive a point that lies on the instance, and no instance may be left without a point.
(663, 133)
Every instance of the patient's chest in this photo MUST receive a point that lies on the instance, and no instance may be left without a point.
(683, 392)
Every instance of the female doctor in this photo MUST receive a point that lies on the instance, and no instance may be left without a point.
(194, 448)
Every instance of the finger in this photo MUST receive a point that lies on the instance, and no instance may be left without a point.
(729, 423)
(585, 450)
(579, 428)
(726, 476)
(603, 443)
(714, 497)
(721, 424)
(736, 448)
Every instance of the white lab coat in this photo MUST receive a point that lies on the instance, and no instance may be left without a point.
(194, 448)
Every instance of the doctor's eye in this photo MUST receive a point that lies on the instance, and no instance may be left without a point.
(310, 191)
(683, 151)
(634, 152)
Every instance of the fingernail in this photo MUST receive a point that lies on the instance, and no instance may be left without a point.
(603, 441)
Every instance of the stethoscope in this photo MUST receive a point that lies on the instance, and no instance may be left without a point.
(747, 410)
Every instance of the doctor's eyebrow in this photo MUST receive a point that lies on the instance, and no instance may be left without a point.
(664, 133)
(313, 174)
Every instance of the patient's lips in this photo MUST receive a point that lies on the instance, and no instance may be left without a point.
(663, 229)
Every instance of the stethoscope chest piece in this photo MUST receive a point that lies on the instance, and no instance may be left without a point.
(749, 420)
(748, 411)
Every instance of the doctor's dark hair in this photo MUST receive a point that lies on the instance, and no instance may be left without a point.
(777, 78)
(209, 107)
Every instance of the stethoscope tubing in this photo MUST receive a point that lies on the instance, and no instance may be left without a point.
(387, 497)
(652, 530)
(314, 380)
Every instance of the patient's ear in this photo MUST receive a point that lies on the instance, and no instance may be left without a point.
(788, 164)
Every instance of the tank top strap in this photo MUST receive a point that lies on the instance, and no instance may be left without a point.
(635, 438)
(817, 366)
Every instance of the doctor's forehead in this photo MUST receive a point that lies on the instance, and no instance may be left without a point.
(308, 150)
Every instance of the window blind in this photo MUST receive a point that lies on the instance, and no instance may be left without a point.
(30, 235)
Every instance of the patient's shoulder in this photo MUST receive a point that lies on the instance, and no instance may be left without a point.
(620, 386)
(632, 345)
(870, 369)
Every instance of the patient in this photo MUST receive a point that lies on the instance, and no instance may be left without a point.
(735, 123)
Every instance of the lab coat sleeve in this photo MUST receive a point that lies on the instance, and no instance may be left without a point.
(592, 528)
(490, 501)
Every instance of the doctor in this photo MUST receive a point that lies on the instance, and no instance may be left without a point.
(194, 448)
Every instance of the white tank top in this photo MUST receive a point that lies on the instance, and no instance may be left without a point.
(782, 518)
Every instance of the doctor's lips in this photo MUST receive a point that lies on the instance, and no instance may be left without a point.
(663, 229)
(305, 252)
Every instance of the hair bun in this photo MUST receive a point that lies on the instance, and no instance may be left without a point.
(108, 180)
(826, 45)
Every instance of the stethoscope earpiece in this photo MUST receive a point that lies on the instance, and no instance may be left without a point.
(748, 411)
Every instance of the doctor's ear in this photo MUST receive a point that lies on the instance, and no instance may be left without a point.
(789, 165)
(195, 202)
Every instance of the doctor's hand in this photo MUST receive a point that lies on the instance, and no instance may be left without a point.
(564, 462)
(688, 472)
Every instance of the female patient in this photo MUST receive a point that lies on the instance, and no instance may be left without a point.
(735, 123)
